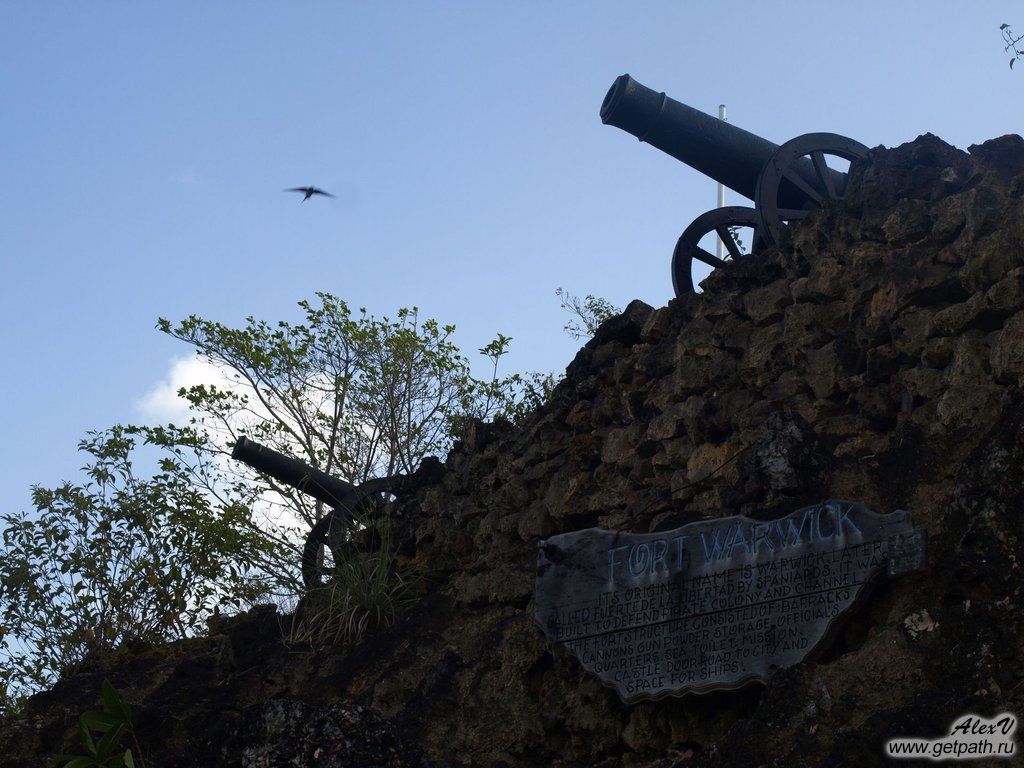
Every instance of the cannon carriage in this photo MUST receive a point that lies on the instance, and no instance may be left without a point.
(785, 182)
(351, 506)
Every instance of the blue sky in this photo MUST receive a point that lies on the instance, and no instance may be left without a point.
(143, 151)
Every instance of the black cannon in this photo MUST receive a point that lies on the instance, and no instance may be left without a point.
(347, 501)
(785, 182)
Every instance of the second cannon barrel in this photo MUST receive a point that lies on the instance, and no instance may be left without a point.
(321, 486)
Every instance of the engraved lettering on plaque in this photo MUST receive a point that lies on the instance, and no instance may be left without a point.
(718, 603)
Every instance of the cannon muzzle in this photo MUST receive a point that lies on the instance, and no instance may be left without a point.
(321, 486)
(729, 155)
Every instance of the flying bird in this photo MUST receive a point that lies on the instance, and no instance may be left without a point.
(309, 192)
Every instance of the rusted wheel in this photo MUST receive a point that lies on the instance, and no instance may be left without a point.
(330, 542)
(801, 163)
(721, 221)
(357, 514)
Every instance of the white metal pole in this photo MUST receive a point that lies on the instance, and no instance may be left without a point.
(721, 190)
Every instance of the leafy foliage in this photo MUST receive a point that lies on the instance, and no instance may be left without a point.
(351, 394)
(102, 732)
(585, 314)
(116, 559)
(734, 233)
(535, 389)
(124, 557)
(1012, 41)
(348, 393)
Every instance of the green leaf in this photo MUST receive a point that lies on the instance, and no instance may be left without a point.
(112, 702)
(86, 737)
(109, 740)
(129, 761)
(100, 721)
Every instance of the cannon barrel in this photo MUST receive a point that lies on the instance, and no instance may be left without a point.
(285, 469)
(729, 155)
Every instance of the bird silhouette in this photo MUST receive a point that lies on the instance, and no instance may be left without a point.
(309, 192)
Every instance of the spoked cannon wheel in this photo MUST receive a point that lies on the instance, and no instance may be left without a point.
(720, 221)
(330, 543)
(329, 537)
(815, 179)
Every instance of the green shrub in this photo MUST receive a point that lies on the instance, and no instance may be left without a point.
(118, 558)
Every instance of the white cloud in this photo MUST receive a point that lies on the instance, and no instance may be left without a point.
(161, 403)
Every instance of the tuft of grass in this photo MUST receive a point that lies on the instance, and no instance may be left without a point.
(366, 590)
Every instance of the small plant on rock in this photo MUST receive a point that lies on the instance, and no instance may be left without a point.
(103, 733)
(586, 314)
